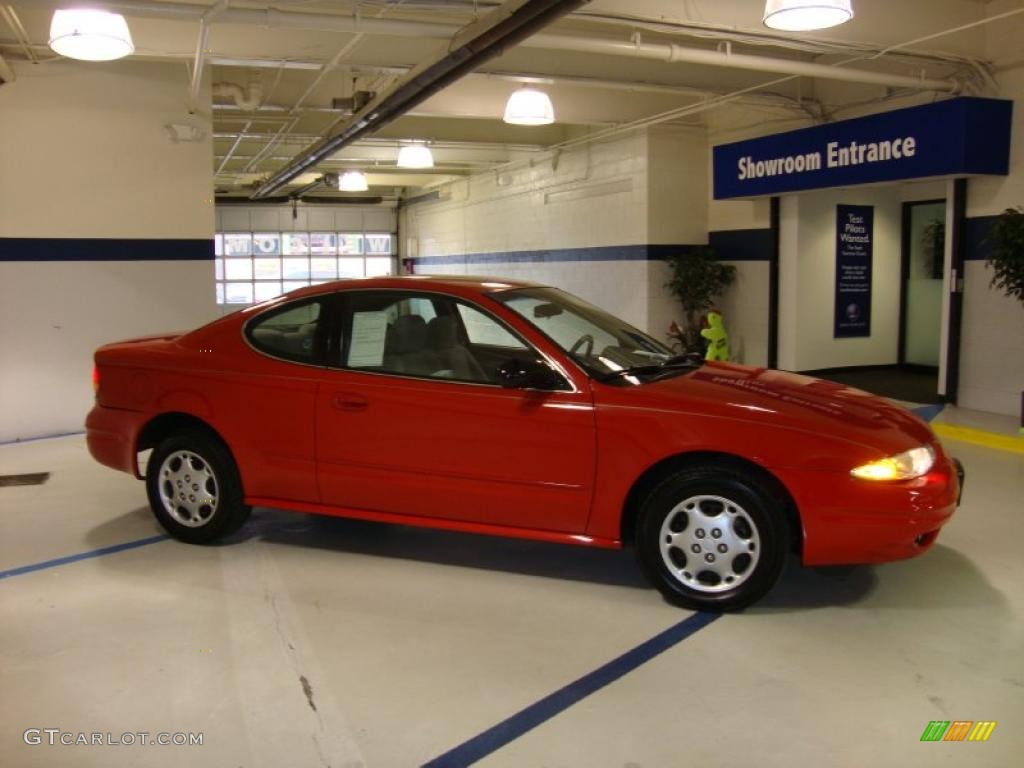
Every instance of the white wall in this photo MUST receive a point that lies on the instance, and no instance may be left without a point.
(807, 268)
(599, 195)
(992, 332)
(745, 311)
(84, 154)
(745, 304)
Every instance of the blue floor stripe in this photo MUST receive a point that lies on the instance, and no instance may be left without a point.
(929, 412)
(527, 719)
(82, 556)
(23, 440)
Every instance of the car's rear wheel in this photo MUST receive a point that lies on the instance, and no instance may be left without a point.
(712, 538)
(194, 488)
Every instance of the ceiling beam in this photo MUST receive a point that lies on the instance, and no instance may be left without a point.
(506, 26)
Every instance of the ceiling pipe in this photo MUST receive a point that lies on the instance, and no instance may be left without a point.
(263, 17)
(504, 27)
(675, 54)
(214, 12)
(247, 100)
(669, 52)
(6, 73)
(10, 15)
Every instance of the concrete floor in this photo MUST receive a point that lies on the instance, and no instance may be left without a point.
(311, 642)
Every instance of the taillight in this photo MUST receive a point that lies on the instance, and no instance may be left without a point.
(96, 379)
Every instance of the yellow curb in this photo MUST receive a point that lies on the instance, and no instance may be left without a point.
(980, 437)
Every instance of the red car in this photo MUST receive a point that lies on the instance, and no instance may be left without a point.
(514, 409)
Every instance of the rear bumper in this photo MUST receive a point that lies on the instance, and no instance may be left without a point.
(847, 521)
(111, 436)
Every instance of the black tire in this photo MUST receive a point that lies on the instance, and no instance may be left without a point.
(712, 538)
(194, 488)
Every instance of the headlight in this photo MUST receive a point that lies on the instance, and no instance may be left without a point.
(903, 466)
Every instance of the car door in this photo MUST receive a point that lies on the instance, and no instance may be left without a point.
(410, 423)
(266, 403)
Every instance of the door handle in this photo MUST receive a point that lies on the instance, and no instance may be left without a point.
(346, 402)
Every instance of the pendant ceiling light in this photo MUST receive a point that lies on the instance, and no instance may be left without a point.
(90, 35)
(529, 106)
(805, 15)
(415, 156)
(353, 181)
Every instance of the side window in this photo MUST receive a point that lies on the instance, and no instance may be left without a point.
(481, 329)
(290, 332)
(429, 336)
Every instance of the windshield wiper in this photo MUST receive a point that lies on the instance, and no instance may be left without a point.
(670, 364)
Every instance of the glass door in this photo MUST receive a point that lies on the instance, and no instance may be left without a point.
(924, 248)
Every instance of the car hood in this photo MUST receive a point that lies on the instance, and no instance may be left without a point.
(793, 401)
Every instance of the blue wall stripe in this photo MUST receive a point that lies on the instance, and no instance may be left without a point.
(82, 556)
(103, 249)
(746, 245)
(729, 245)
(977, 232)
(742, 244)
(529, 718)
(598, 253)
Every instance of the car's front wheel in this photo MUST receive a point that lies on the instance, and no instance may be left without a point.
(194, 488)
(712, 538)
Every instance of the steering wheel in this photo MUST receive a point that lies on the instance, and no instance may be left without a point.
(587, 339)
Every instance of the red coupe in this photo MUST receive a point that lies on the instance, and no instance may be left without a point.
(514, 409)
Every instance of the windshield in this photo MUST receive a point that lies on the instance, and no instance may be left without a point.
(601, 343)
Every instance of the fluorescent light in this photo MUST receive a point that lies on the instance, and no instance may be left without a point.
(529, 106)
(90, 35)
(415, 156)
(805, 15)
(353, 181)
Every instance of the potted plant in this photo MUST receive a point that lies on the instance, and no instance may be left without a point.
(1007, 260)
(696, 281)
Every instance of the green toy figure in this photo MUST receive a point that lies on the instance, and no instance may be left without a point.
(718, 339)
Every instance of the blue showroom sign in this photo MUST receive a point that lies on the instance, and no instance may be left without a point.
(961, 136)
(855, 233)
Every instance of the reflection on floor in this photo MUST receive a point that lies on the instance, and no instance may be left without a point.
(896, 384)
(309, 641)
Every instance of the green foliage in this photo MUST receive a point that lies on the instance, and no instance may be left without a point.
(1007, 258)
(696, 281)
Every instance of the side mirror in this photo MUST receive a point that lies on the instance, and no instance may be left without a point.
(530, 374)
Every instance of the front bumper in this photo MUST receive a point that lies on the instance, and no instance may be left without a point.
(848, 521)
(960, 475)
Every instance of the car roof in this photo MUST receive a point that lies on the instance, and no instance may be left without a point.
(471, 283)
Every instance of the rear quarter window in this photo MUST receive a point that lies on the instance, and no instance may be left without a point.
(291, 332)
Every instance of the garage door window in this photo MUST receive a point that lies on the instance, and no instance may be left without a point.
(257, 266)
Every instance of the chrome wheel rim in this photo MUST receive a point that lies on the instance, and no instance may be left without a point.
(709, 544)
(188, 489)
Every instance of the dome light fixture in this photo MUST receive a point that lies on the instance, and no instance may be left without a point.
(90, 35)
(353, 181)
(529, 106)
(415, 155)
(806, 15)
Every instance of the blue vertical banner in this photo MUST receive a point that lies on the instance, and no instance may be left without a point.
(855, 235)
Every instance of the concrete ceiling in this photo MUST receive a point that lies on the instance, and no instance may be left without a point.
(301, 71)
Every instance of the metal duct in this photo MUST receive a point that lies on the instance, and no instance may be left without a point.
(504, 27)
